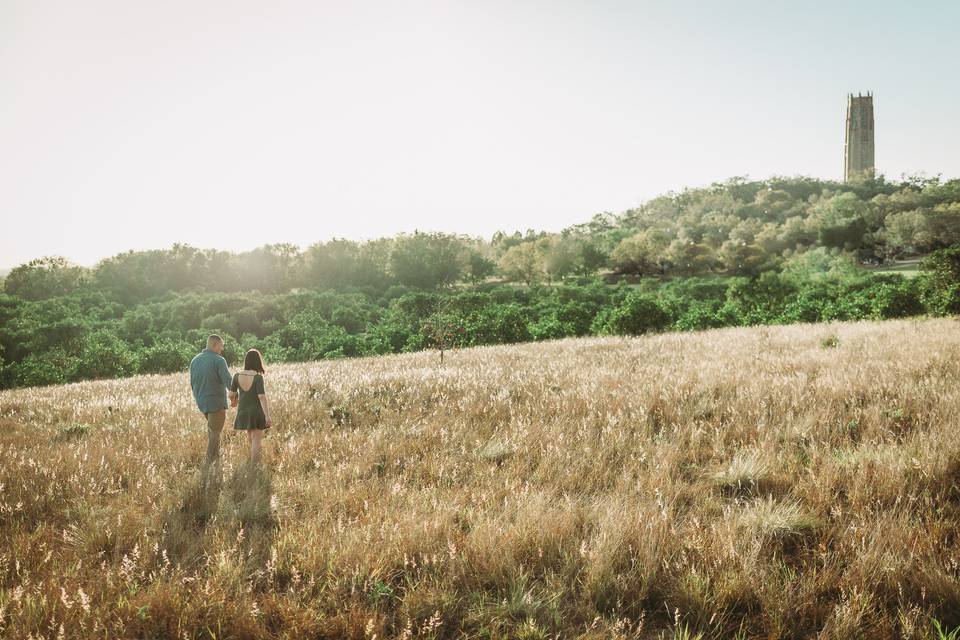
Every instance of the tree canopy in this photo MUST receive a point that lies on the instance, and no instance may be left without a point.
(733, 253)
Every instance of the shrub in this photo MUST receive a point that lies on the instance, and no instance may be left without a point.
(50, 367)
(759, 300)
(550, 327)
(104, 356)
(637, 314)
(701, 315)
(166, 356)
(941, 281)
(896, 300)
(496, 324)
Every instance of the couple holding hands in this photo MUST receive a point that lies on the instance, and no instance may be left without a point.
(210, 378)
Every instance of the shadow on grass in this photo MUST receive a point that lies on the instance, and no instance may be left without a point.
(185, 523)
(251, 503)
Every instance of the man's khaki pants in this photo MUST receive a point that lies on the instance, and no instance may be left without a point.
(215, 420)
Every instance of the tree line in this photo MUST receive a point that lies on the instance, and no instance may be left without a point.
(734, 253)
(732, 228)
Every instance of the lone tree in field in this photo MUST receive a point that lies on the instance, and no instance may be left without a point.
(443, 328)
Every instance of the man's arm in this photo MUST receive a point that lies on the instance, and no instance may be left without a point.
(224, 372)
(194, 381)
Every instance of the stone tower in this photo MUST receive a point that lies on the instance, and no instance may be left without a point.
(858, 145)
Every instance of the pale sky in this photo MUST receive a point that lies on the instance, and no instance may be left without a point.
(232, 124)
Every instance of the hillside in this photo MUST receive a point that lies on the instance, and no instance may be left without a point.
(777, 481)
(737, 252)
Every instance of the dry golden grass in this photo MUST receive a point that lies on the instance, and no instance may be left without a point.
(740, 482)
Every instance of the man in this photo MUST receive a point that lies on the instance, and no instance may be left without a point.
(209, 379)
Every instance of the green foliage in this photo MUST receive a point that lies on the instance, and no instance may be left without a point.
(49, 367)
(333, 265)
(104, 355)
(638, 313)
(497, 324)
(741, 258)
(72, 338)
(944, 632)
(74, 431)
(684, 633)
(818, 263)
(759, 300)
(898, 298)
(165, 356)
(734, 253)
(427, 260)
(443, 329)
(523, 262)
(479, 267)
(560, 255)
(840, 220)
(829, 342)
(44, 278)
(941, 281)
(636, 254)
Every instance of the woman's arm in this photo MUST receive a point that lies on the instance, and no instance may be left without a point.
(266, 409)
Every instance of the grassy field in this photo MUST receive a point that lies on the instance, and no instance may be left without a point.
(770, 482)
(907, 268)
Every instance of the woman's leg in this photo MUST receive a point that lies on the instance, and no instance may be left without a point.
(256, 437)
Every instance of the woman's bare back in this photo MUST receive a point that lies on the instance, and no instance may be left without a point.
(245, 380)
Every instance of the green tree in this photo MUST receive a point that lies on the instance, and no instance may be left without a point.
(44, 278)
(940, 289)
(635, 255)
(687, 257)
(495, 324)
(839, 221)
(741, 258)
(759, 300)
(593, 256)
(443, 329)
(560, 256)
(478, 266)
(373, 264)
(50, 367)
(331, 265)
(427, 260)
(166, 356)
(638, 313)
(270, 268)
(104, 355)
(818, 263)
(523, 262)
(897, 299)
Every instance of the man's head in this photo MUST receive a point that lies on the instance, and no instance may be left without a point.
(215, 343)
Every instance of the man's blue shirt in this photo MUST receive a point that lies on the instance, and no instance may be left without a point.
(209, 379)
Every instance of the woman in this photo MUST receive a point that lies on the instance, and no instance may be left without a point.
(247, 393)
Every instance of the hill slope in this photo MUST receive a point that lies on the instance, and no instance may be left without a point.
(780, 481)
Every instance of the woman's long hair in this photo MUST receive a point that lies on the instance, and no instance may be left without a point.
(253, 361)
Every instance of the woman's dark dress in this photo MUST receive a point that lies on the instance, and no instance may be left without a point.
(249, 412)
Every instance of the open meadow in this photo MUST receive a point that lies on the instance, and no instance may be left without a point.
(767, 482)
